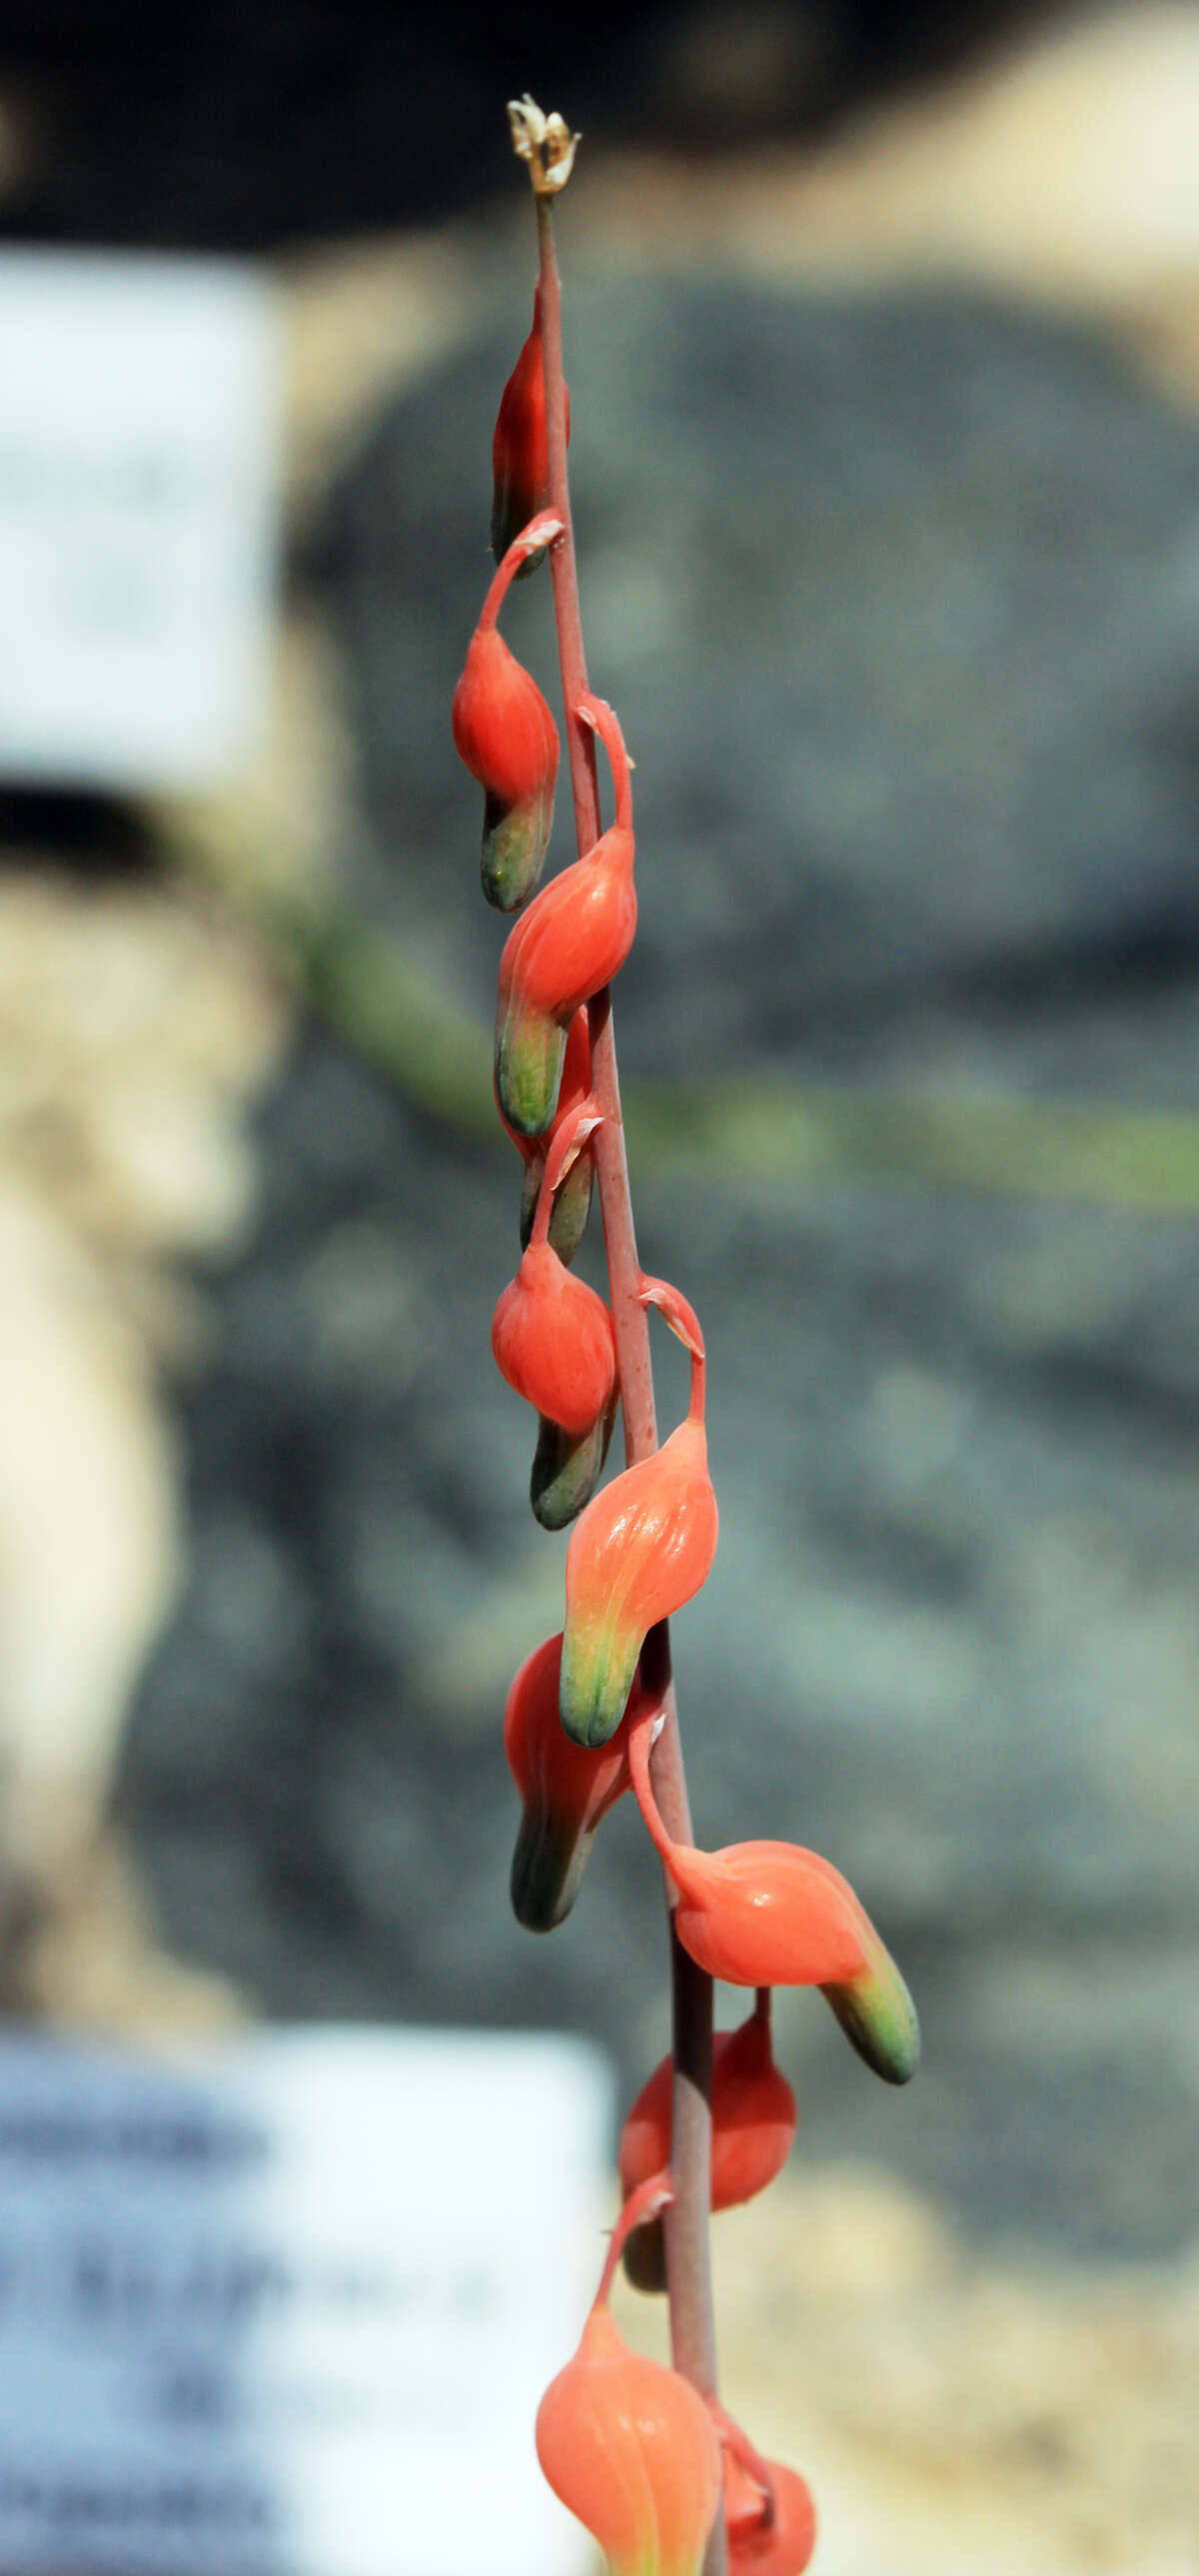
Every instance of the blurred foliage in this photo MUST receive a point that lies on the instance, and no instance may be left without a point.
(762, 1128)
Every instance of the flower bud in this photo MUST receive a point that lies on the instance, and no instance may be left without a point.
(552, 1339)
(631, 2449)
(572, 1199)
(753, 2124)
(563, 1790)
(504, 732)
(569, 943)
(519, 450)
(772, 1914)
(642, 1548)
(762, 2541)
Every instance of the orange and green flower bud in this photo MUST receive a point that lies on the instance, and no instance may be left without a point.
(552, 1339)
(773, 1914)
(572, 1198)
(520, 449)
(563, 1791)
(572, 940)
(630, 2448)
(753, 2125)
(504, 732)
(642, 1548)
(770, 2532)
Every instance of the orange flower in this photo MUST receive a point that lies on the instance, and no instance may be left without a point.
(768, 2534)
(631, 2449)
(504, 732)
(570, 942)
(753, 2116)
(553, 1340)
(564, 1792)
(642, 1548)
(519, 450)
(753, 2124)
(572, 1198)
(772, 1914)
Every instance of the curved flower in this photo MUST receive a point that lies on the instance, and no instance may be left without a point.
(570, 942)
(631, 2449)
(564, 1792)
(572, 1198)
(520, 462)
(773, 1914)
(642, 1548)
(553, 1340)
(504, 732)
(768, 2534)
(753, 2125)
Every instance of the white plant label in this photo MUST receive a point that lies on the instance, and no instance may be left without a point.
(140, 410)
(286, 2307)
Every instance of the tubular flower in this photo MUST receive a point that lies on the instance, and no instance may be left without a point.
(762, 2542)
(520, 462)
(572, 1198)
(553, 1340)
(631, 2449)
(570, 942)
(641, 1549)
(564, 1792)
(753, 2125)
(772, 1914)
(504, 732)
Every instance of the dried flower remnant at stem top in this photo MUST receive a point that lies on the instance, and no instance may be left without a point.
(544, 142)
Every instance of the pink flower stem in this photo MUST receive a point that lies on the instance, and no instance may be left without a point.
(530, 540)
(648, 2201)
(688, 2266)
(566, 1146)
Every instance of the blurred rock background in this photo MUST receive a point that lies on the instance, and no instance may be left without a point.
(883, 335)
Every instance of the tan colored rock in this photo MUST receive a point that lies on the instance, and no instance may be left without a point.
(135, 1027)
(1063, 170)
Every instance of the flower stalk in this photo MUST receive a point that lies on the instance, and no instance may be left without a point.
(688, 2258)
(645, 2456)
